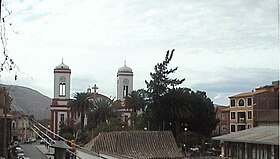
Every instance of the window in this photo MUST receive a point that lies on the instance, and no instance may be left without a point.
(224, 116)
(125, 91)
(62, 118)
(249, 101)
(224, 127)
(14, 125)
(232, 102)
(249, 116)
(62, 89)
(241, 102)
(232, 128)
(241, 117)
(232, 115)
(241, 127)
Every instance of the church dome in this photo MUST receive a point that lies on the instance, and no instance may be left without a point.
(125, 69)
(62, 66)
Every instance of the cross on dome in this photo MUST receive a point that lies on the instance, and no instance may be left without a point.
(95, 88)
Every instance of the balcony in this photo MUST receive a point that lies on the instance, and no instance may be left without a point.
(241, 120)
(241, 117)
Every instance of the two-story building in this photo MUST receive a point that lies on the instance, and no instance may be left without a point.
(255, 108)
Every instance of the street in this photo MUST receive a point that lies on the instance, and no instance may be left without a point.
(32, 151)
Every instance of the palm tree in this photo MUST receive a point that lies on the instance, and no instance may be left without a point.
(81, 105)
(176, 108)
(102, 111)
(135, 101)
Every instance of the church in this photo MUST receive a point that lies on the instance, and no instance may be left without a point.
(60, 107)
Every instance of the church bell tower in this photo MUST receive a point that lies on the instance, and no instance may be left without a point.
(124, 82)
(60, 108)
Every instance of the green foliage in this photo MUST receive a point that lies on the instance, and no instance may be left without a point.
(81, 105)
(135, 101)
(160, 82)
(175, 108)
(101, 111)
(84, 137)
(189, 138)
(66, 131)
(172, 108)
(204, 117)
(158, 87)
(115, 125)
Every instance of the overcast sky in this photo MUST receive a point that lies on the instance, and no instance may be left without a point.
(222, 47)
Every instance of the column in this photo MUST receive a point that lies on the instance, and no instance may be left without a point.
(222, 148)
(265, 152)
(272, 152)
(253, 151)
(258, 151)
(246, 151)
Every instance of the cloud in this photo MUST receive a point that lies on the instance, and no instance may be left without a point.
(237, 81)
(221, 46)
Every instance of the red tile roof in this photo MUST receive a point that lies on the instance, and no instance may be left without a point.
(247, 94)
(137, 144)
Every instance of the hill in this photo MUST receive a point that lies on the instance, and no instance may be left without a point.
(30, 101)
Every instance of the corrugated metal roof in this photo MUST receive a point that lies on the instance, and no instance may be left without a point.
(259, 135)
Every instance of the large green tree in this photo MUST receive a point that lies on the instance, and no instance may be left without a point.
(204, 119)
(158, 86)
(176, 109)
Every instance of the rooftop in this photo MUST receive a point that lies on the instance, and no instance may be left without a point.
(136, 144)
(258, 135)
(247, 94)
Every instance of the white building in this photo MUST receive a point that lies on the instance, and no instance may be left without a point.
(124, 88)
(60, 108)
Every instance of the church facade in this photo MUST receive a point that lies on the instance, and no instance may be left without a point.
(60, 108)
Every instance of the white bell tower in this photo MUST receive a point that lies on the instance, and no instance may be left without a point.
(60, 108)
(124, 82)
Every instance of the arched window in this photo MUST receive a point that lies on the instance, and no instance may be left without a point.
(241, 102)
(125, 87)
(62, 87)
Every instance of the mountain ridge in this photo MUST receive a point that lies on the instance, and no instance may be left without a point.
(30, 101)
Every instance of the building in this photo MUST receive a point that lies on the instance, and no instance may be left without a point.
(60, 108)
(255, 108)
(5, 121)
(256, 143)
(124, 88)
(135, 144)
(222, 113)
(5, 134)
(20, 128)
(124, 82)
